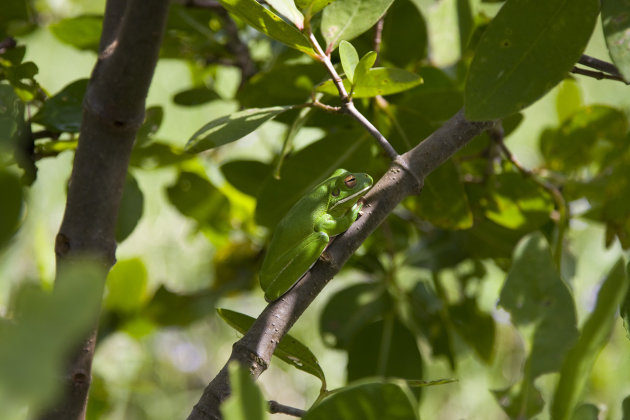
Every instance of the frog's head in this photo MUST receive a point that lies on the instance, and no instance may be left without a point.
(346, 188)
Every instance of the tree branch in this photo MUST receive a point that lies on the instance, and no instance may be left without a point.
(113, 110)
(255, 348)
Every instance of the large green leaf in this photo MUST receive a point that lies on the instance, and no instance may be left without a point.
(536, 297)
(82, 32)
(616, 20)
(443, 200)
(348, 149)
(349, 59)
(366, 401)
(476, 327)
(595, 334)
(517, 202)
(126, 286)
(526, 50)
(432, 321)
(351, 309)
(288, 9)
(131, 209)
(248, 176)
(534, 294)
(587, 138)
(231, 127)
(289, 349)
(347, 19)
(403, 26)
(45, 327)
(379, 81)
(394, 352)
(246, 401)
(64, 110)
(195, 197)
(267, 22)
(310, 7)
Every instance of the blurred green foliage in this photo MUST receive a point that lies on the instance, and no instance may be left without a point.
(502, 275)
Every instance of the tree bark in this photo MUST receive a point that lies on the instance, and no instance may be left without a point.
(404, 178)
(113, 110)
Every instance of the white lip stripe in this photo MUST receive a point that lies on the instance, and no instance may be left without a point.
(350, 197)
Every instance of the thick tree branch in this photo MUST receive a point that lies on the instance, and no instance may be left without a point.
(113, 110)
(255, 348)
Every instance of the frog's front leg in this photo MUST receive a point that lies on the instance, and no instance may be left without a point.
(293, 264)
(336, 225)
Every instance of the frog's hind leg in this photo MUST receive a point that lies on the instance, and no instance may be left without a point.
(293, 264)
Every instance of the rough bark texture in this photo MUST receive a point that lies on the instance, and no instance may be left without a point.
(255, 349)
(113, 110)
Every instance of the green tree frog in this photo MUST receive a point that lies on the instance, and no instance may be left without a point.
(303, 233)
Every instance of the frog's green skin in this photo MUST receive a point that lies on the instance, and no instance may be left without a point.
(301, 236)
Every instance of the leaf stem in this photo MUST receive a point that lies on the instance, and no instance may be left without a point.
(497, 134)
(276, 407)
(346, 100)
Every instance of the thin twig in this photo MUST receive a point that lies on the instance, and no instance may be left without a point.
(347, 105)
(600, 65)
(496, 134)
(351, 109)
(276, 407)
(597, 74)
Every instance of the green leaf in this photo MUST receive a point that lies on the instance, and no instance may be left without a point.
(625, 408)
(195, 96)
(616, 22)
(63, 111)
(12, 125)
(349, 59)
(466, 23)
(521, 401)
(586, 412)
(594, 336)
(195, 197)
(282, 84)
(287, 9)
(394, 352)
(248, 176)
(131, 209)
(403, 26)
(516, 202)
(246, 401)
(585, 139)
(363, 67)
(289, 350)
(476, 327)
(153, 117)
(310, 7)
(46, 327)
(231, 127)
(350, 310)
(534, 294)
(307, 168)
(569, 99)
(126, 286)
(11, 208)
(347, 19)
(527, 49)
(443, 200)
(366, 401)
(378, 81)
(82, 32)
(427, 311)
(267, 22)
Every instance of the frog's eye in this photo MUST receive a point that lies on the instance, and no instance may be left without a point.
(350, 181)
(335, 192)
